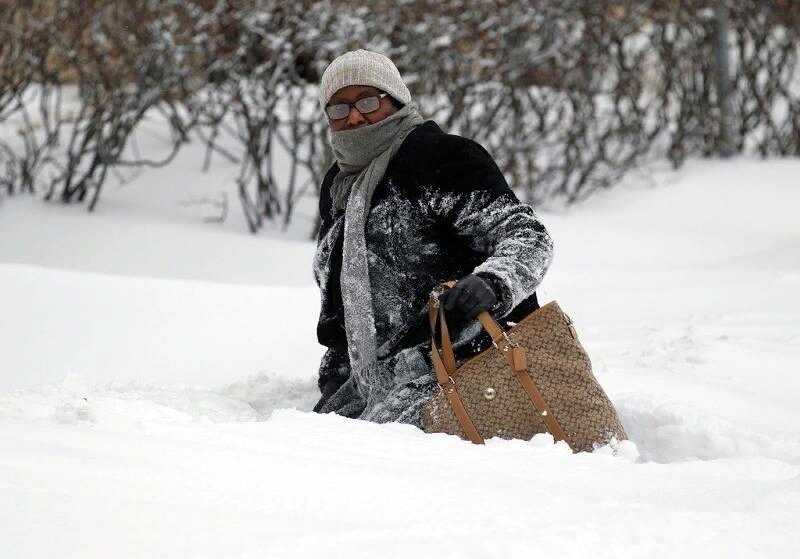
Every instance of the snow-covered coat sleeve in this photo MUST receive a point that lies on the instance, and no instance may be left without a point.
(474, 201)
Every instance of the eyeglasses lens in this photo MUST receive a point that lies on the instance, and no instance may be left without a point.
(364, 105)
(368, 104)
(336, 112)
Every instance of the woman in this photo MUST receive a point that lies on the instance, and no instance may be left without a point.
(405, 207)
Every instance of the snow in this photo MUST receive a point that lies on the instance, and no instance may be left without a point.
(157, 375)
(108, 328)
(258, 490)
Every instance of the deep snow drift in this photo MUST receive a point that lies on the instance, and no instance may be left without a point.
(156, 378)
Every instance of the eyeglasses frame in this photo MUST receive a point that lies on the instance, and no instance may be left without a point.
(352, 105)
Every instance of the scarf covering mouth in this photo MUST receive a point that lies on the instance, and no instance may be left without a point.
(363, 155)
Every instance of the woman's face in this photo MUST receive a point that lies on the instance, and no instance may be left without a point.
(355, 119)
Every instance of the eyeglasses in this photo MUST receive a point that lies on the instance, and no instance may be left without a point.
(364, 105)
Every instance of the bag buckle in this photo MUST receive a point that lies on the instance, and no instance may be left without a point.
(511, 343)
(451, 386)
(435, 292)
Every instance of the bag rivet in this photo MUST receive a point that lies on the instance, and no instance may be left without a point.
(489, 393)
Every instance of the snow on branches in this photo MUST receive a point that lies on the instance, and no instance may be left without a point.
(567, 95)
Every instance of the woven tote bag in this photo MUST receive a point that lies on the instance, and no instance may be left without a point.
(536, 378)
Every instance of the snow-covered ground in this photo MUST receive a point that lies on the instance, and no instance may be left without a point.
(157, 372)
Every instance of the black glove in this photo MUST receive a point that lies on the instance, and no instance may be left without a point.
(469, 297)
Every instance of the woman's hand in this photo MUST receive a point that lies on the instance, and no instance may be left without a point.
(469, 297)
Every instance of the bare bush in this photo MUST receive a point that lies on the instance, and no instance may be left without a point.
(256, 62)
(567, 95)
(91, 72)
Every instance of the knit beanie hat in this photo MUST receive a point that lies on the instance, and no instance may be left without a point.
(362, 67)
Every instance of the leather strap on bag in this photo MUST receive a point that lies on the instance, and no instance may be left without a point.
(446, 383)
(515, 356)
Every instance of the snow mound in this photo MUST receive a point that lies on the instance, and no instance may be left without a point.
(669, 431)
(112, 328)
(72, 401)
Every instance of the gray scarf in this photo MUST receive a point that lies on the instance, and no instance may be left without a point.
(363, 155)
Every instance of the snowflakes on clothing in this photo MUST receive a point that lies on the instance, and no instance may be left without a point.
(442, 211)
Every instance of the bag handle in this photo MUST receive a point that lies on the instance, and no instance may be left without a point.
(445, 366)
(445, 380)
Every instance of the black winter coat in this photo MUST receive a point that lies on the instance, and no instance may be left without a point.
(442, 211)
